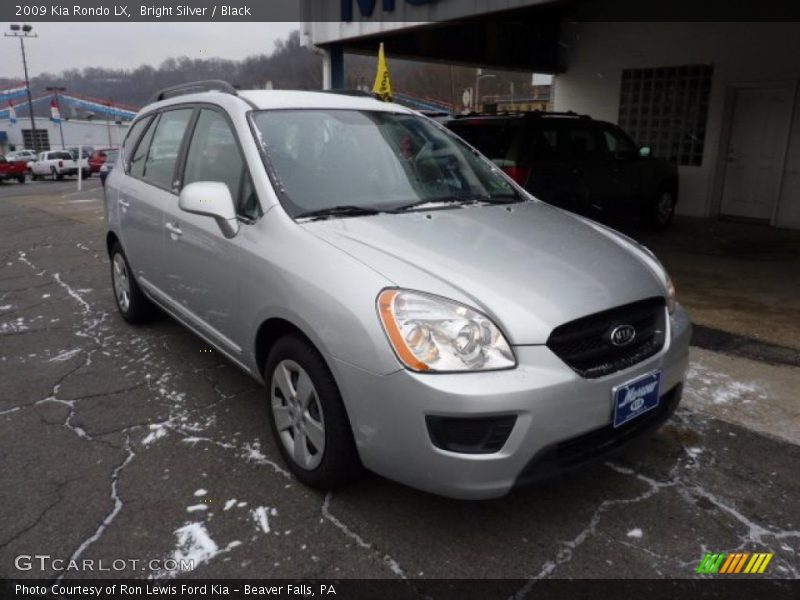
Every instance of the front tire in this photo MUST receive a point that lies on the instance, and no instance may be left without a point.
(132, 304)
(307, 416)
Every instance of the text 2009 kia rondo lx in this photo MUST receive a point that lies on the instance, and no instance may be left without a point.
(410, 309)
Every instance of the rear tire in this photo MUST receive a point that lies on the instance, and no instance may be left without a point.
(132, 304)
(660, 213)
(21, 178)
(305, 407)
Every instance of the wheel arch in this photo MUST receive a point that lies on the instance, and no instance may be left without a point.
(111, 239)
(270, 331)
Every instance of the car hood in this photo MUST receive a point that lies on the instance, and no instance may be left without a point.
(529, 266)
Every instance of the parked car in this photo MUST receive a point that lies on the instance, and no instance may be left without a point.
(57, 164)
(578, 163)
(410, 309)
(26, 155)
(98, 158)
(108, 164)
(13, 169)
(86, 151)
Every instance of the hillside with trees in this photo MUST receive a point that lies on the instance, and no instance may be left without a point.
(289, 66)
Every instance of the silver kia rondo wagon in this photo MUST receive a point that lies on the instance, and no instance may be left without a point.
(410, 309)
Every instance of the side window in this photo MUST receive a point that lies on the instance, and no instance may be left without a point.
(137, 161)
(215, 156)
(618, 143)
(582, 144)
(159, 165)
(540, 144)
(134, 133)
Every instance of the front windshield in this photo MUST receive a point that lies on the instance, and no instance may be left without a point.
(320, 159)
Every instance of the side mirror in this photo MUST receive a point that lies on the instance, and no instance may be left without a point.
(211, 199)
(644, 151)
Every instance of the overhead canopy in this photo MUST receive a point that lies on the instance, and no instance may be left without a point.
(508, 44)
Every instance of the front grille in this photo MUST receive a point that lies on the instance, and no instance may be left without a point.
(585, 344)
(599, 443)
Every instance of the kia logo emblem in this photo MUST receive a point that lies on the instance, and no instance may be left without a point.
(622, 335)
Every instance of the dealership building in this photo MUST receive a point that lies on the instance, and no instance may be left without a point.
(720, 99)
(49, 134)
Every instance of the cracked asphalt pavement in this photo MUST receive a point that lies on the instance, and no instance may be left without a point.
(139, 443)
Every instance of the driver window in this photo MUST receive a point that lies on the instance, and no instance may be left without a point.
(214, 156)
(618, 144)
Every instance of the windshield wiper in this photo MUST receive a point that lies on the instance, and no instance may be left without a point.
(495, 199)
(342, 210)
(443, 200)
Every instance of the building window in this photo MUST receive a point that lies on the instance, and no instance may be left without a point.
(666, 108)
(41, 137)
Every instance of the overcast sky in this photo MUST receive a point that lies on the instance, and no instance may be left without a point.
(127, 45)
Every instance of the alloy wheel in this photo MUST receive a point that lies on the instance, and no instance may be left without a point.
(122, 284)
(298, 414)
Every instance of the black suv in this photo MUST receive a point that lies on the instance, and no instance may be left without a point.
(574, 162)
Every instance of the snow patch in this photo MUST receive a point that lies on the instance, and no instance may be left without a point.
(196, 508)
(717, 388)
(230, 504)
(195, 544)
(261, 516)
(15, 326)
(201, 492)
(635, 533)
(65, 355)
(157, 431)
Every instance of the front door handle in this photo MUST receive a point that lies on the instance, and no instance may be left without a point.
(174, 229)
(124, 203)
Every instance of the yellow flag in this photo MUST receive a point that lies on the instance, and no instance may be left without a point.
(383, 82)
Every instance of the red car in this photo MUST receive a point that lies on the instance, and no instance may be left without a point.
(13, 169)
(97, 159)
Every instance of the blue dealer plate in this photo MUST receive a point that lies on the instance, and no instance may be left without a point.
(636, 397)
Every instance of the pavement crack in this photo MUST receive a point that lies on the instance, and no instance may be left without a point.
(115, 509)
(58, 499)
(387, 560)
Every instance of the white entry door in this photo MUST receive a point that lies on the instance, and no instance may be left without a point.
(761, 119)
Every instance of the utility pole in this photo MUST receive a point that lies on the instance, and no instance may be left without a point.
(26, 33)
(108, 120)
(55, 91)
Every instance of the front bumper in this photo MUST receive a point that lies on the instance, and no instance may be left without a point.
(552, 403)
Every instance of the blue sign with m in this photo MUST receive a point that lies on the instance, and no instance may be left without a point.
(367, 7)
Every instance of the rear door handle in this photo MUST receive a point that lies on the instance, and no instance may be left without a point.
(124, 203)
(174, 229)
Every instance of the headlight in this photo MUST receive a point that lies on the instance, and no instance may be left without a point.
(429, 333)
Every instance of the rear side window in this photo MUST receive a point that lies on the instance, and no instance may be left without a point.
(493, 139)
(137, 160)
(214, 155)
(134, 133)
(165, 145)
(540, 144)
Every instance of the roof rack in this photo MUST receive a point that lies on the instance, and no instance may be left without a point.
(529, 113)
(210, 85)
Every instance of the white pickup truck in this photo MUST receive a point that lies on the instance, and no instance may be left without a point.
(57, 164)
